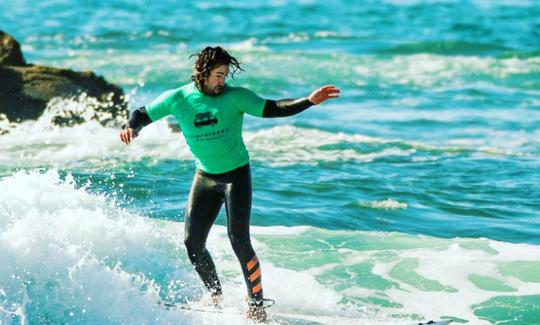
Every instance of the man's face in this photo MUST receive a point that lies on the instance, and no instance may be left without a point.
(214, 84)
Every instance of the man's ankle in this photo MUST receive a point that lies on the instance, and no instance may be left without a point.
(217, 300)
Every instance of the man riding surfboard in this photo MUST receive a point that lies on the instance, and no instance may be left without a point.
(210, 114)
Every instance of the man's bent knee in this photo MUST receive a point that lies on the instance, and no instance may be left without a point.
(239, 241)
(193, 246)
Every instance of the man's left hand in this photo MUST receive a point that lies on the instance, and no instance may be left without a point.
(324, 93)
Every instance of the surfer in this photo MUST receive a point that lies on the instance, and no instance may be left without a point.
(210, 114)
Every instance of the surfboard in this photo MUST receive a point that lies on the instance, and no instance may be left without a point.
(439, 322)
(279, 318)
(301, 319)
(337, 320)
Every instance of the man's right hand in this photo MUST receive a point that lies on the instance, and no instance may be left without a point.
(127, 135)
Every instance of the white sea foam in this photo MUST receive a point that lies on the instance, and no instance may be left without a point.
(285, 145)
(37, 143)
(388, 204)
(488, 4)
(449, 262)
(430, 70)
(136, 68)
(34, 144)
(453, 266)
(249, 44)
(78, 257)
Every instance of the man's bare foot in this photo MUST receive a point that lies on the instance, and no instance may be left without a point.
(256, 313)
(211, 300)
(217, 301)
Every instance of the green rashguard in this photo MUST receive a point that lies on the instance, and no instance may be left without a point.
(212, 126)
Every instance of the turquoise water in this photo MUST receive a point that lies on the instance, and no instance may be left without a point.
(414, 196)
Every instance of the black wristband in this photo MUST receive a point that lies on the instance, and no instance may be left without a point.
(138, 120)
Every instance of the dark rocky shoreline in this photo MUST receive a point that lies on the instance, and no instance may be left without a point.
(27, 89)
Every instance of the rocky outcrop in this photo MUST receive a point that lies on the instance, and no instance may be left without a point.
(10, 51)
(26, 90)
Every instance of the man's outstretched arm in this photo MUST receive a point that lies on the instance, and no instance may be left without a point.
(136, 122)
(289, 107)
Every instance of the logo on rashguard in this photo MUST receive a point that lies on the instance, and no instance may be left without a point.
(207, 136)
(203, 119)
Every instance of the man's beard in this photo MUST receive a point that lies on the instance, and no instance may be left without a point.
(215, 91)
(218, 90)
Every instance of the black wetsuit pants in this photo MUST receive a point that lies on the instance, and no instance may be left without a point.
(208, 192)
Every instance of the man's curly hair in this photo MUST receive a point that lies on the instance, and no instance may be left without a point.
(210, 58)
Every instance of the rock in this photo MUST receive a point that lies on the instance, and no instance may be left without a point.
(10, 51)
(27, 90)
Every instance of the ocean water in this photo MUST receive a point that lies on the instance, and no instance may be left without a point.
(414, 196)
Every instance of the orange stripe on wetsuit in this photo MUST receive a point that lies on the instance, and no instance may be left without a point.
(251, 264)
(256, 274)
(257, 288)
